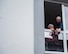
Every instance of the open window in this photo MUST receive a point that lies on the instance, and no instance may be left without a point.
(53, 41)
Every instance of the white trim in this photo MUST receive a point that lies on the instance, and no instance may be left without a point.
(64, 26)
(53, 52)
(66, 31)
(56, 2)
(47, 30)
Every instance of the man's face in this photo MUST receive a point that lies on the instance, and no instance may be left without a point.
(58, 20)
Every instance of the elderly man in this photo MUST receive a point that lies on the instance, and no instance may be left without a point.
(59, 25)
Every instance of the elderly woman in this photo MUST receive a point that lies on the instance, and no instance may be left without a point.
(54, 41)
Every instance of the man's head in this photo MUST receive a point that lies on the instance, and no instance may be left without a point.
(51, 26)
(58, 19)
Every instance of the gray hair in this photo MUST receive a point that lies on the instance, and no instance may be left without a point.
(58, 17)
(50, 26)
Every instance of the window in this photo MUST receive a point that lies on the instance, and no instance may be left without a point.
(51, 12)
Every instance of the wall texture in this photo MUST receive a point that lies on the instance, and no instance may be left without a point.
(22, 27)
(16, 27)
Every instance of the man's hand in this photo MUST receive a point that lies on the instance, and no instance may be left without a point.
(58, 29)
